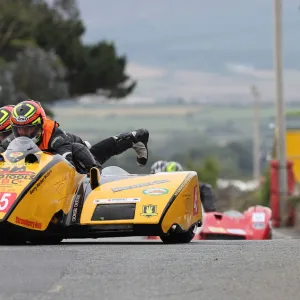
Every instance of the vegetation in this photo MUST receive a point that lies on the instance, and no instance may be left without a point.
(208, 171)
(181, 139)
(265, 190)
(42, 56)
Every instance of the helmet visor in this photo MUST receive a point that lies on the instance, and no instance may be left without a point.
(30, 131)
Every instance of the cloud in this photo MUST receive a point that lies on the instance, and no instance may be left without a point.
(144, 72)
(162, 83)
(265, 79)
(240, 68)
(251, 71)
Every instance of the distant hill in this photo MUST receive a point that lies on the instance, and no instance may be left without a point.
(219, 40)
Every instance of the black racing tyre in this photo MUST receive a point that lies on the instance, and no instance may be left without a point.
(53, 240)
(179, 238)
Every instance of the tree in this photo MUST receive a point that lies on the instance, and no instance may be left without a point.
(208, 171)
(54, 32)
(40, 75)
(90, 67)
(265, 189)
(67, 8)
(102, 69)
(242, 152)
(18, 22)
(7, 88)
(234, 159)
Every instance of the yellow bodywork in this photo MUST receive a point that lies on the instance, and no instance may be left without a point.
(292, 138)
(165, 198)
(181, 210)
(293, 150)
(52, 192)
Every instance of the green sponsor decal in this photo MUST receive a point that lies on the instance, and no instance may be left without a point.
(155, 191)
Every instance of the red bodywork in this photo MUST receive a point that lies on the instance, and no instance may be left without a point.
(253, 224)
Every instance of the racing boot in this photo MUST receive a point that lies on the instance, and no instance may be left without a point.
(137, 140)
(140, 146)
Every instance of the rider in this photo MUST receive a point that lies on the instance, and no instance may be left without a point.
(206, 193)
(172, 166)
(5, 127)
(28, 119)
(157, 166)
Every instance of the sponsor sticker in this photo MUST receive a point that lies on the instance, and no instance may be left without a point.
(155, 191)
(149, 211)
(21, 119)
(117, 200)
(77, 204)
(217, 229)
(29, 224)
(183, 184)
(16, 154)
(16, 170)
(129, 187)
(15, 175)
(196, 201)
(7, 165)
(59, 187)
(40, 182)
(258, 217)
(75, 208)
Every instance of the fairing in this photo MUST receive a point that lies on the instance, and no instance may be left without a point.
(44, 191)
(253, 224)
(147, 197)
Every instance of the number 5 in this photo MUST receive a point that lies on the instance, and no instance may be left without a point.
(4, 201)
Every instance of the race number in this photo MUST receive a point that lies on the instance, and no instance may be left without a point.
(258, 217)
(6, 201)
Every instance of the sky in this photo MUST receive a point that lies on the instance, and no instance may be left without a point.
(198, 49)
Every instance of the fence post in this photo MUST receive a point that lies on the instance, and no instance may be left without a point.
(291, 189)
(274, 194)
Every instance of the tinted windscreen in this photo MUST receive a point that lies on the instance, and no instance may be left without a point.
(113, 170)
(233, 214)
(23, 144)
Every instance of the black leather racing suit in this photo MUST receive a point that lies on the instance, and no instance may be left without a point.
(5, 142)
(106, 148)
(75, 150)
(66, 145)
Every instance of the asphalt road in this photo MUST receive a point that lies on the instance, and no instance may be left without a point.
(118, 269)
